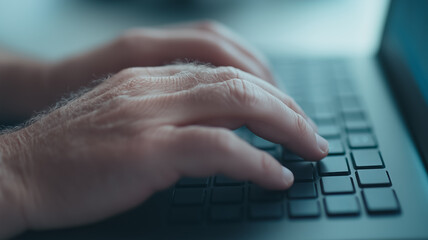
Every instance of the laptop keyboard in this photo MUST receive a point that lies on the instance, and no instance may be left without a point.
(351, 181)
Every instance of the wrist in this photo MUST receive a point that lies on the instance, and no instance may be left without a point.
(12, 185)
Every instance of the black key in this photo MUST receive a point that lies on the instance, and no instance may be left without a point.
(227, 194)
(266, 211)
(188, 196)
(221, 180)
(373, 178)
(381, 201)
(361, 140)
(193, 182)
(291, 157)
(303, 171)
(262, 143)
(329, 130)
(259, 194)
(345, 205)
(368, 158)
(303, 208)
(302, 190)
(337, 185)
(333, 165)
(357, 125)
(189, 214)
(226, 213)
(335, 147)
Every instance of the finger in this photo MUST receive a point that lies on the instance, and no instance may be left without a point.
(244, 103)
(229, 73)
(224, 33)
(160, 46)
(202, 74)
(198, 151)
(174, 78)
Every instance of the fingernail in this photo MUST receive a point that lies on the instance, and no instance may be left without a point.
(322, 144)
(288, 176)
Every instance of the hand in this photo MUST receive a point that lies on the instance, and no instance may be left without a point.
(208, 42)
(139, 132)
(35, 85)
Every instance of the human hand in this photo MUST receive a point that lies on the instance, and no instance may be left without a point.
(42, 84)
(139, 132)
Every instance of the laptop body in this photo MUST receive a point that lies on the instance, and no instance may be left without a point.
(392, 140)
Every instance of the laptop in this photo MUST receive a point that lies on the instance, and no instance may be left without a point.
(372, 185)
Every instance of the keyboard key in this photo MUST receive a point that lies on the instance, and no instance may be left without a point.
(193, 182)
(266, 211)
(352, 109)
(333, 165)
(345, 205)
(337, 185)
(302, 190)
(361, 140)
(189, 214)
(324, 119)
(227, 194)
(188, 196)
(303, 208)
(356, 125)
(221, 180)
(356, 114)
(368, 158)
(303, 171)
(381, 201)
(290, 157)
(329, 130)
(259, 194)
(349, 102)
(262, 143)
(353, 115)
(335, 147)
(226, 213)
(373, 178)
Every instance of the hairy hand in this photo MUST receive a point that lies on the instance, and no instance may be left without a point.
(207, 42)
(140, 131)
(30, 86)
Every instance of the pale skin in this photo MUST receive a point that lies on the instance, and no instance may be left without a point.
(143, 128)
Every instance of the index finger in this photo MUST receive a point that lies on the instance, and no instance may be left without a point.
(244, 103)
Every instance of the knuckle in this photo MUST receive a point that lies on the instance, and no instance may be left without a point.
(127, 73)
(125, 76)
(210, 25)
(228, 72)
(289, 101)
(302, 126)
(113, 101)
(241, 91)
(266, 163)
(223, 140)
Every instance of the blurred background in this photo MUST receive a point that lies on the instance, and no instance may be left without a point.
(53, 29)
